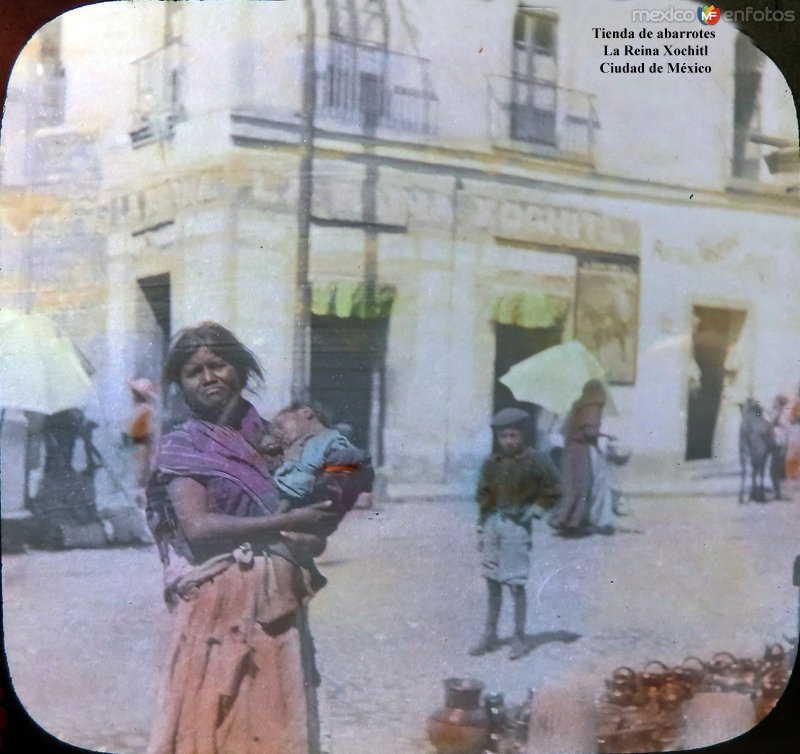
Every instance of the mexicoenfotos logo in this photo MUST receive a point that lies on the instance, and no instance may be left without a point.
(709, 15)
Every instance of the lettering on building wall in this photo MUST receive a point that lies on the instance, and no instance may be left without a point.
(550, 226)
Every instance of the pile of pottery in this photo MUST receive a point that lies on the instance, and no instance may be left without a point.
(763, 680)
(469, 724)
(643, 711)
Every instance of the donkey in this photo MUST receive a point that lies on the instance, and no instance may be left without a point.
(755, 445)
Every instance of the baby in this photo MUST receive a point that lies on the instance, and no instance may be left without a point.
(311, 463)
(318, 462)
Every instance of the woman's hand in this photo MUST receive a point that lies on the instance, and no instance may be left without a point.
(318, 519)
(309, 545)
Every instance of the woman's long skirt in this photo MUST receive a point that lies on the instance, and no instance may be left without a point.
(573, 510)
(231, 688)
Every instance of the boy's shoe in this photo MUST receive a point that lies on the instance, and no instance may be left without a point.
(519, 648)
(488, 643)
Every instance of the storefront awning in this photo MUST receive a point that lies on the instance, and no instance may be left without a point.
(348, 298)
(531, 310)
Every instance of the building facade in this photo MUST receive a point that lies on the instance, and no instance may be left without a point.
(393, 203)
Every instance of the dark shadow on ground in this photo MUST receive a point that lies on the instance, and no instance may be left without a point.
(577, 533)
(534, 641)
(607, 531)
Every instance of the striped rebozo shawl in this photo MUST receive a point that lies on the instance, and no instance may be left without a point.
(225, 460)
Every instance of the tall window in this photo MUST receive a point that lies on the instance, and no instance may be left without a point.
(533, 78)
(746, 108)
(357, 74)
(158, 104)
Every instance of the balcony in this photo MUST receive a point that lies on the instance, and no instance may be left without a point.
(548, 119)
(158, 103)
(372, 88)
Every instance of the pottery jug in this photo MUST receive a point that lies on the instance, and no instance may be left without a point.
(655, 676)
(462, 725)
(772, 687)
(691, 673)
(731, 674)
(624, 688)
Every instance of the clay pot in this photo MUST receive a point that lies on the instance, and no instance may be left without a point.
(729, 674)
(772, 686)
(774, 657)
(462, 725)
(624, 688)
(663, 684)
(722, 662)
(672, 693)
(654, 676)
(692, 674)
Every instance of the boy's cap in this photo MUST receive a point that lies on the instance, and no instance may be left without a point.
(508, 417)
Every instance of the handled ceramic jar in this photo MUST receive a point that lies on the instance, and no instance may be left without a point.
(462, 725)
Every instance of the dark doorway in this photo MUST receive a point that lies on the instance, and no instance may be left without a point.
(348, 357)
(156, 290)
(152, 326)
(715, 331)
(515, 344)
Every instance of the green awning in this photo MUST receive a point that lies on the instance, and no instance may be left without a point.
(349, 298)
(531, 310)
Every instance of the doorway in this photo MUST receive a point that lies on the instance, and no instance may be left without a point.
(515, 344)
(157, 293)
(714, 332)
(152, 325)
(348, 365)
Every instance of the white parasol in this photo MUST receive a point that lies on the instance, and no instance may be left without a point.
(40, 368)
(554, 378)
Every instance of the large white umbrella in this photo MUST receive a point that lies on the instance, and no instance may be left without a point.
(554, 378)
(40, 369)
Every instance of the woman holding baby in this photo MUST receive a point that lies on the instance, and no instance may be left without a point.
(240, 673)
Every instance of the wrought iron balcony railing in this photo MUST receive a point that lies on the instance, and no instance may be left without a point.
(537, 112)
(158, 102)
(371, 87)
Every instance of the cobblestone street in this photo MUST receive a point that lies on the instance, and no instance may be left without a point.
(85, 629)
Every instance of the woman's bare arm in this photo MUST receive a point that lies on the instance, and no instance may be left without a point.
(199, 525)
(307, 545)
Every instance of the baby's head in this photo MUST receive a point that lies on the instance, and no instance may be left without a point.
(297, 421)
(272, 451)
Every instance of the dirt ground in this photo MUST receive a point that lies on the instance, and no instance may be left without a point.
(85, 630)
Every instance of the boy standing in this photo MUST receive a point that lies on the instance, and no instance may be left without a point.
(517, 484)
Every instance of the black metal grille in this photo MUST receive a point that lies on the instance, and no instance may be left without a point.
(372, 87)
